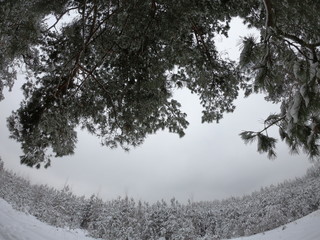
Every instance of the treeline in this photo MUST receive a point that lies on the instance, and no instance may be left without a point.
(126, 219)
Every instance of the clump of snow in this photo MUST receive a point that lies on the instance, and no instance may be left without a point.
(16, 225)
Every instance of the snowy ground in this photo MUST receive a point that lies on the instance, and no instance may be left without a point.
(16, 225)
(307, 228)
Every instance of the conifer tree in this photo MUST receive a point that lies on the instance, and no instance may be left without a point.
(284, 65)
(112, 66)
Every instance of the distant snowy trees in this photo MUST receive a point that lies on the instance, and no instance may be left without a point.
(1, 165)
(126, 219)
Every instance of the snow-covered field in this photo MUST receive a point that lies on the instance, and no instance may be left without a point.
(16, 225)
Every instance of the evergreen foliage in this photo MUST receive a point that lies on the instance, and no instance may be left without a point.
(113, 66)
(285, 66)
(124, 218)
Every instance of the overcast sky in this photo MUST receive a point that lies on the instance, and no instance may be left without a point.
(209, 162)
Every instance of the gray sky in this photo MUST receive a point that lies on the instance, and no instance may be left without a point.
(209, 162)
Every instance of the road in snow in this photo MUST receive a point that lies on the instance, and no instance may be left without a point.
(16, 225)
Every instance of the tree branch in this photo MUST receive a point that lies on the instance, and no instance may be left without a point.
(298, 40)
(90, 73)
(297, 48)
(269, 18)
(271, 124)
(201, 40)
(59, 18)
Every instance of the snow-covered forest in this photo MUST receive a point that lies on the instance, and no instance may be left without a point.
(15, 225)
(125, 218)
